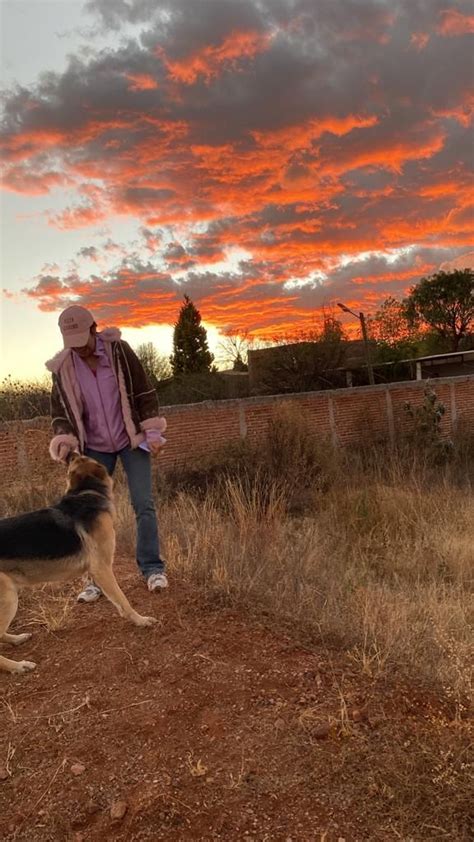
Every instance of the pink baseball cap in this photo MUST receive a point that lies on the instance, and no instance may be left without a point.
(75, 324)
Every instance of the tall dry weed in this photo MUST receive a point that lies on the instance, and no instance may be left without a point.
(378, 558)
(368, 550)
(378, 576)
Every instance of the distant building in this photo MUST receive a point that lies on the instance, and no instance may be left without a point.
(419, 368)
(236, 383)
(443, 365)
(350, 372)
(264, 363)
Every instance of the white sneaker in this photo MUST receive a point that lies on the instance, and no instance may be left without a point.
(90, 594)
(157, 581)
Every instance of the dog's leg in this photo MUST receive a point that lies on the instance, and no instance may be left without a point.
(8, 608)
(104, 577)
(15, 639)
(100, 567)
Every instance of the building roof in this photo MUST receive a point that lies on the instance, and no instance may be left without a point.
(451, 357)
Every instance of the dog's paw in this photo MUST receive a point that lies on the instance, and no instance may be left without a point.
(143, 622)
(21, 638)
(24, 666)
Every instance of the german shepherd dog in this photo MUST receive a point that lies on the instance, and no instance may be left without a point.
(61, 542)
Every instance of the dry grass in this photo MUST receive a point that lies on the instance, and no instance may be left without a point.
(28, 496)
(369, 553)
(414, 784)
(48, 607)
(24, 399)
(382, 572)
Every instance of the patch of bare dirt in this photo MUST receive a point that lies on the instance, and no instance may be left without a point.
(211, 726)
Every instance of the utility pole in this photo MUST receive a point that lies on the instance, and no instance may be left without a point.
(367, 349)
(365, 337)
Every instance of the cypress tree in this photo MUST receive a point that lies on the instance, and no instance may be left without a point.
(190, 350)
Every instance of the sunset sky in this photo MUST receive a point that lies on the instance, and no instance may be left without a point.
(267, 157)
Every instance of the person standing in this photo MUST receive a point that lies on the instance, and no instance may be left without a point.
(103, 405)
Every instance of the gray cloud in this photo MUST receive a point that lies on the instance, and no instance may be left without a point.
(301, 132)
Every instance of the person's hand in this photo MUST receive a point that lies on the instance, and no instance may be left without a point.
(155, 441)
(155, 447)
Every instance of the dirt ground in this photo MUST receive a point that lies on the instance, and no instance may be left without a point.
(208, 726)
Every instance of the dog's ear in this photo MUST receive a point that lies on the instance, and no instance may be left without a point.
(75, 470)
(99, 471)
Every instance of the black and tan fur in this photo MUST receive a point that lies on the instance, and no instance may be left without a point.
(58, 543)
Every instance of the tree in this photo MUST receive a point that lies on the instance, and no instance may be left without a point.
(396, 336)
(332, 339)
(444, 302)
(234, 348)
(191, 353)
(299, 364)
(156, 365)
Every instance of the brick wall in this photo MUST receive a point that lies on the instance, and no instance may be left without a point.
(346, 416)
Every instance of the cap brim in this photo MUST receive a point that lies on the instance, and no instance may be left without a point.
(77, 340)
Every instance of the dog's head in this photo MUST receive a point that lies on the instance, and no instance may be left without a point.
(83, 471)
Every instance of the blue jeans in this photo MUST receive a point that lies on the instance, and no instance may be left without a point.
(137, 467)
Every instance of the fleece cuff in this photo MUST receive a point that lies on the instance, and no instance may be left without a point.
(157, 424)
(61, 446)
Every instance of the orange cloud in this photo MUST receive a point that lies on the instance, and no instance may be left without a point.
(388, 276)
(24, 145)
(256, 297)
(446, 187)
(141, 82)
(78, 217)
(20, 179)
(211, 60)
(463, 113)
(445, 229)
(300, 136)
(419, 40)
(391, 154)
(454, 22)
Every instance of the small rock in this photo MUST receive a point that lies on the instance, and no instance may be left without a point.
(118, 810)
(359, 714)
(4, 773)
(279, 724)
(77, 769)
(320, 732)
